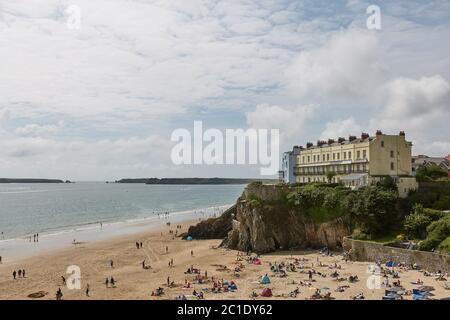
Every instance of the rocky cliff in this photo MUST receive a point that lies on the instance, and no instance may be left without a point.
(213, 228)
(264, 222)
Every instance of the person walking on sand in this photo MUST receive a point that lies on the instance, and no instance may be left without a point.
(137, 245)
(113, 282)
(141, 244)
(111, 264)
(20, 273)
(167, 249)
(1, 260)
(107, 282)
(14, 274)
(34, 237)
(63, 280)
(23, 273)
(87, 290)
(168, 281)
(192, 253)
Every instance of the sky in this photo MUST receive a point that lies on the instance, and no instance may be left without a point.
(99, 100)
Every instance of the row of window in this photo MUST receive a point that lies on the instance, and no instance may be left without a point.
(342, 168)
(334, 156)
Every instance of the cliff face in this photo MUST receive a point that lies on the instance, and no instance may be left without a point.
(264, 225)
(265, 229)
(213, 228)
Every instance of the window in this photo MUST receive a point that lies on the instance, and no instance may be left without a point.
(309, 159)
(382, 144)
(364, 154)
(303, 159)
(328, 156)
(392, 166)
(334, 156)
(358, 154)
(349, 154)
(392, 153)
(345, 155)
(338, 156)
(323, 157)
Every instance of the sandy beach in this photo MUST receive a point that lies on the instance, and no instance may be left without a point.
(43, 272)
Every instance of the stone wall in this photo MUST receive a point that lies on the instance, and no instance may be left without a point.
(371, 251)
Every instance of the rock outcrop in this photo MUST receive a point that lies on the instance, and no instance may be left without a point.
(268, 228)
(213, 228)
(266, 224)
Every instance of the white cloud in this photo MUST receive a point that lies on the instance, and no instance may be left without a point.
(36, 130)
(341, 128)
(415, 104)
(346, 66)
(290, 120)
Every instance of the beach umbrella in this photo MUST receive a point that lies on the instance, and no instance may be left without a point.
(189, 238)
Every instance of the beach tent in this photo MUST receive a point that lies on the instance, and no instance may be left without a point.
(391, 263)
(233, 286)
(265, 279)
(189, 238)
(266, 293)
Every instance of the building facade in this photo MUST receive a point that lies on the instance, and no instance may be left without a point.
(288, 164)
(357, 162)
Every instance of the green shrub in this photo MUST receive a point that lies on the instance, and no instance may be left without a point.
(438, 231)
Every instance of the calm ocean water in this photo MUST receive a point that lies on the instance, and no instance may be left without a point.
(29, 208)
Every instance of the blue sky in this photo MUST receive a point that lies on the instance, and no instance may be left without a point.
(100, 102)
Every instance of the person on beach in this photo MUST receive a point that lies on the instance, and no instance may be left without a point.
(19, 273)
(59, 294)
(137, 245)
(141, 245)
(113, 282)
(192, 253)
(111, 263)
(14, 274)
(87, 290)
(34, 237)
(168, 281)
(107, 282)
(63, 280)
(167, 249)
(101, 226)
(23, 273)
(1, 260)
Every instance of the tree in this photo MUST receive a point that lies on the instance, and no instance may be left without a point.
(330, 176)
(430, 173)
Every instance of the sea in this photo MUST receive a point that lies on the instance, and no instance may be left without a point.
(62, 211)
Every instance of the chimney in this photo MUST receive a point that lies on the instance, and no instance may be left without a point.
(379, 133)
(320, 143)
(364, 135)
(402, 133)
(330, 141)
(351, 138)
(309, 145)
(341, 139)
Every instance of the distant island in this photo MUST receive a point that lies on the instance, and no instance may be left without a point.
(19, 180)
(193, 180)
